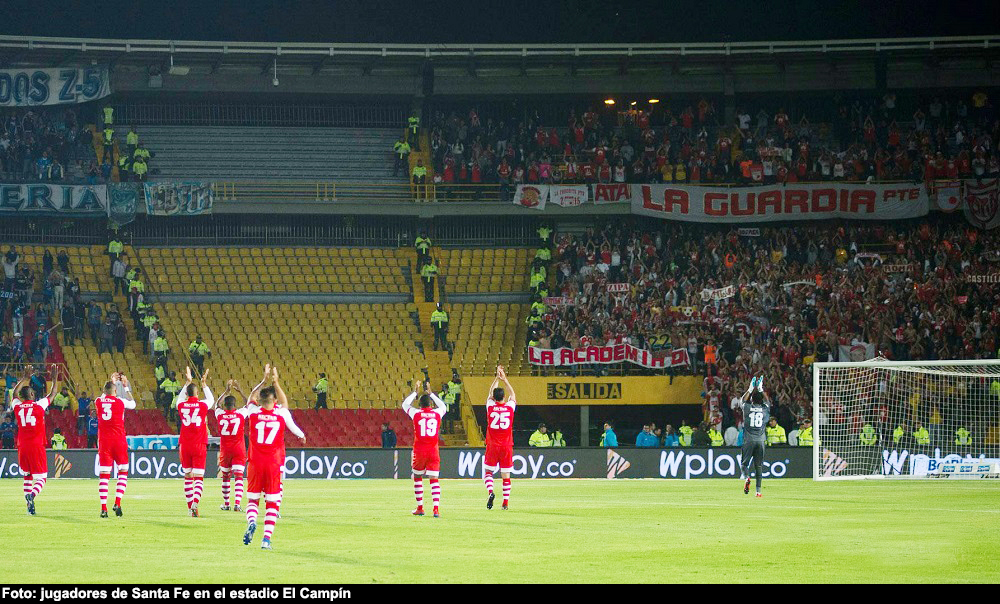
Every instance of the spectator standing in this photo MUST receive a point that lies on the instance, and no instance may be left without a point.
(645, 437)
(92, 429)
(427, 274)
(82, 412)
(439, 321)
(670, 438)
(107, 335)
(6, 432)
(700, 438)
(388, 437)
(94, 320)
(609, 438)
(68, 319)
(63, 400)
(121, 335)
(420, 180)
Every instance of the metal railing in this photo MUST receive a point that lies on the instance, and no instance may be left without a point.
(258, 114)
(322, 192)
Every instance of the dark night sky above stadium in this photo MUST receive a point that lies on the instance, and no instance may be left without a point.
(509, 21)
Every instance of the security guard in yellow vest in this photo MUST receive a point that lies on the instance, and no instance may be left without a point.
(321, 388)
(427, 274)
(169, 388)
(413, 126)
(140, 169)
(455, 387)
(439, 321)
(58, 440)
(716, 436)
(868, 436)
(423, 246)
(109, 140)
(420, 180)
(160, 373)
(556, 437)
(161, 349)
(775, 433)
(147, 318)
(543, 233)
(115, 249)
(449, 417)
(538, 305)
(124, 167)
(900, 433)
(132, 140)
(921, 435)
(141, 152)
(684, 434)
(963, 438)
(402, 151)
(199, 351)
(806, 434)
(543, 255)
(109, 113)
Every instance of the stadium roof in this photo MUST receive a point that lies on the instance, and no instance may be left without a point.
(39, 51)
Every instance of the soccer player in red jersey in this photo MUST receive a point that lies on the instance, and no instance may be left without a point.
(194, 437)
(112, 447)
(499, 437)
(232, 445)
(426, 457)
(31, 438)
(266, 425)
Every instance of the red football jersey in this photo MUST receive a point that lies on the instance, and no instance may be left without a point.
(30, 417)
(267, 435)
(110, 418)
(231, 428)
(194, 421)
(426, 429)
(500, 423)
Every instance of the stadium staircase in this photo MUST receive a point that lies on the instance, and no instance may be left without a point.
(423, 155)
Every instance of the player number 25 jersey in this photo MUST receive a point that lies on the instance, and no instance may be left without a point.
(500, 423)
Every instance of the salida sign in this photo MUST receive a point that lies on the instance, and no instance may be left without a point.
(583, 390)
(765, 204)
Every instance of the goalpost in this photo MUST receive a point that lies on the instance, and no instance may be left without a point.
(906, 419)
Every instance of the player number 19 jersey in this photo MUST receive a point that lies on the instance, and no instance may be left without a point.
(426, 429)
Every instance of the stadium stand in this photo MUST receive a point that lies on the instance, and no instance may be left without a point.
(804, 292)
(272, 153)
(489, 334)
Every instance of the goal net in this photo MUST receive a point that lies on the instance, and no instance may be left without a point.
(913, 419)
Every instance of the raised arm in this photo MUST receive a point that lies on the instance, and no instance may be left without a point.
(511, 397)
(183, 390)
(54, 386)
(256, 390)
(290, 423)
(408, 401)
(125, 392)
(279, 392)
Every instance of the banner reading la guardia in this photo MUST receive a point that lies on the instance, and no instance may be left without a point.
(57, 86)
(774, 203)
(43, 198)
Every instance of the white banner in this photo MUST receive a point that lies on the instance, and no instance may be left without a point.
(568, 196)
(774, 203)
(56, 86)
(981, 203)
(794, 283)
(718, 294)
(42, 198)
(857, 351)
(748, 232)
(558, 301)
(612, 193)
(949, 194)
(531, 196)
(605, 355)
(178, 198)
(617, 288)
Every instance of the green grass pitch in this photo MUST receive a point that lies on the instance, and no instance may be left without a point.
(646, 531)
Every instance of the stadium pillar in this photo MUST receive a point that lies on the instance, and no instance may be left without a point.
(584, 425)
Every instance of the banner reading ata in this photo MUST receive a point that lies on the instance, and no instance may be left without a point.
(780, 202)
(605, 355)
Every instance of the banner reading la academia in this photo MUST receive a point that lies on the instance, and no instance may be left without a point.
(606, 355)
(751, 204)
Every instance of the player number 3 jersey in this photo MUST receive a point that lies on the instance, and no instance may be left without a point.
(111, 417)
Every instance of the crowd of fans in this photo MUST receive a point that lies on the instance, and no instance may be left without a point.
(56, 145)
(912, 290)
(839, 138)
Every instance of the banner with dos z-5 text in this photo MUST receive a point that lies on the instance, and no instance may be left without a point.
(329, 464)
(45, 198)
(179, 198)
(55, 86)
(606, 355)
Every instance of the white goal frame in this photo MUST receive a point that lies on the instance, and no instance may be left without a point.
(876, 362)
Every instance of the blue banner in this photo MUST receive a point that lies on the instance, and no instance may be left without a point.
(123, 199)
(179, 198)
(56, 86)
(44, 198)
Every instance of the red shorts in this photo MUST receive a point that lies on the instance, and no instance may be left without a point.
(32, 459)
(112, 453)
(426, 461)
(230, 457)
(499, 456)
(193, 456)
(263, 478)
